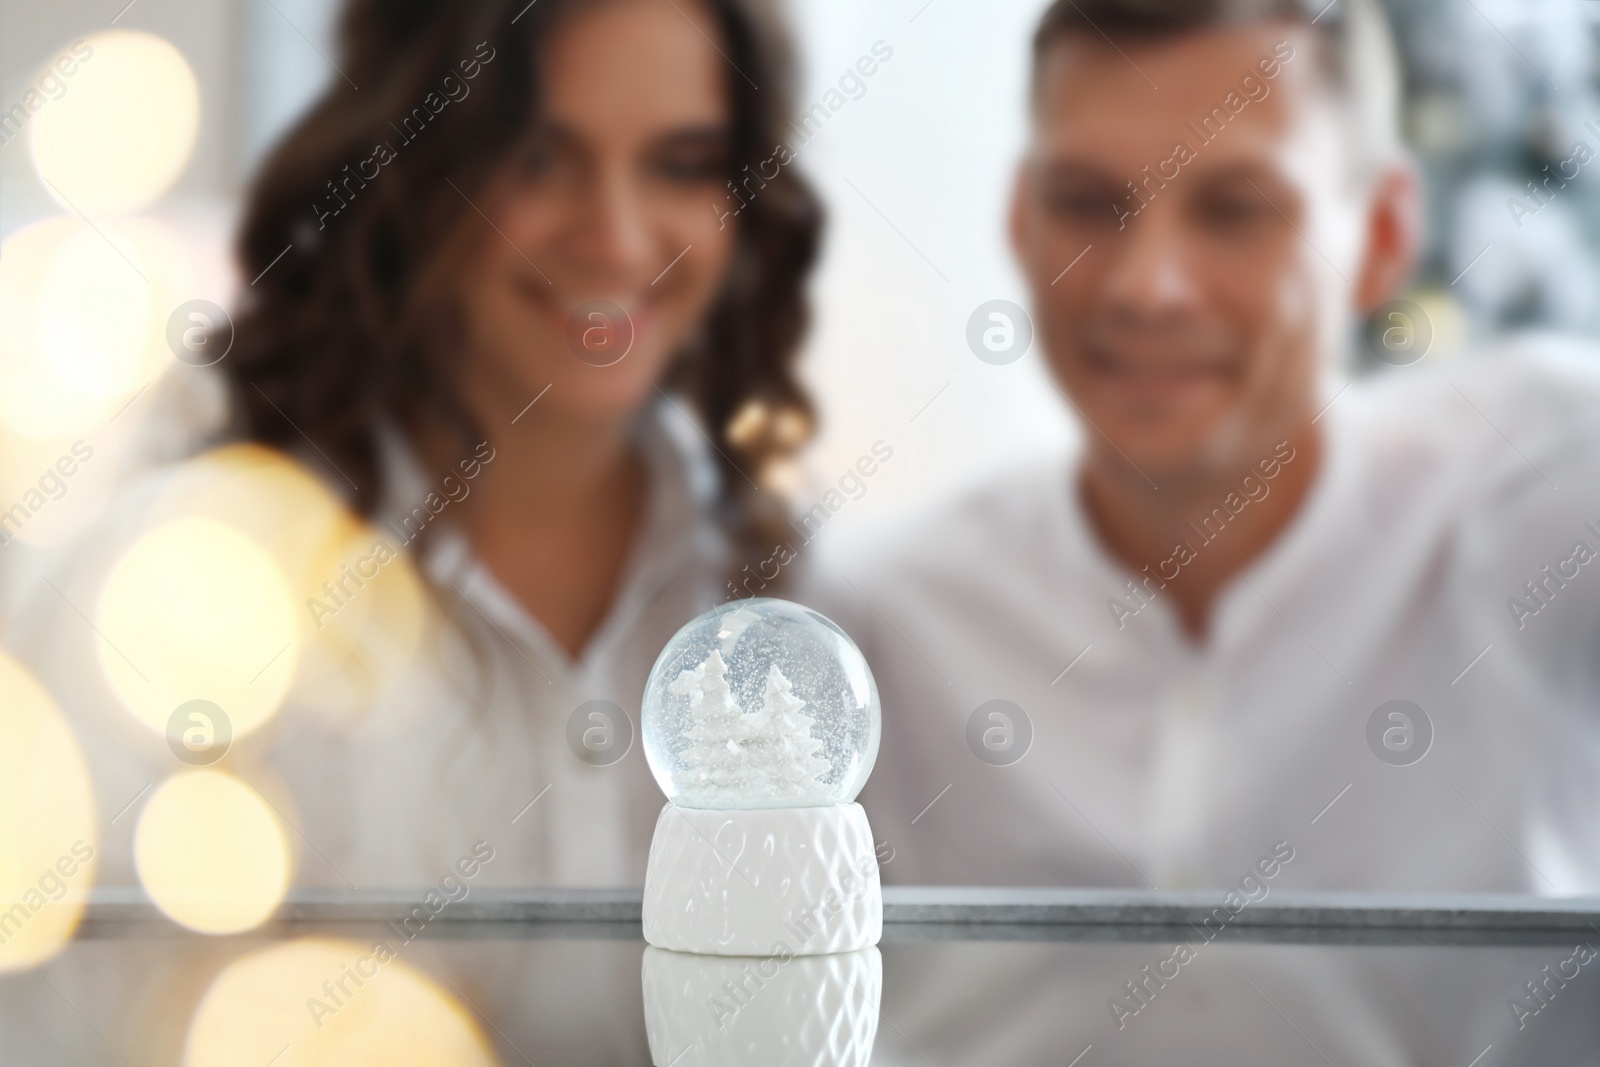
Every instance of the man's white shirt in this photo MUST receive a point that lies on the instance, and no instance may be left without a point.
(1156, 761)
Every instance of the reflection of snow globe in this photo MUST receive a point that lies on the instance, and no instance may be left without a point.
(771, 1011)
(761, 724)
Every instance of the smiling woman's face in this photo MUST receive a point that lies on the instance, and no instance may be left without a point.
(611, 198)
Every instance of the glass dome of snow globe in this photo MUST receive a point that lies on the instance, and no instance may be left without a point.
(761, 703)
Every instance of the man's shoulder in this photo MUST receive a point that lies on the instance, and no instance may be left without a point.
(1531, 378)
(1504, 411)
(1477, 459)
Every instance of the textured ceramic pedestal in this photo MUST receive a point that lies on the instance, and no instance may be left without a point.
(794, 881)
(808, 1011)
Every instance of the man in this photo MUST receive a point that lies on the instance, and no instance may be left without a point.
(1257, 612)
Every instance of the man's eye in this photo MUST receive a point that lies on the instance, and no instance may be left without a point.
(1081, 205)
(1232, 211)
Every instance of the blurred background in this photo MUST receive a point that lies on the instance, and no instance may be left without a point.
(121, 176)
(1499, 90)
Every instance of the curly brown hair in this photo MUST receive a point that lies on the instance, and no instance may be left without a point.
(344, 326)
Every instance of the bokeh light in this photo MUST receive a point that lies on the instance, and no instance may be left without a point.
(49, 836)
(83, 313)
(211, 853)
(124, 127)
(197, 610)
(273, 1003)
(364, 646)
(349, 655)
(1451, 329)
(61, 484)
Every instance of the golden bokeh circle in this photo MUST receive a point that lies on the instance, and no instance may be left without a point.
(49, 833)
(211, 853)
(195, 609)
(319, 1001)
(122, 129)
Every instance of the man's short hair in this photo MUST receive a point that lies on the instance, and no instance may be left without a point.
(1357, 49)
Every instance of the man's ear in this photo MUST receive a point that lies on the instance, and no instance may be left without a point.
(1394, 236)
(1021, 211)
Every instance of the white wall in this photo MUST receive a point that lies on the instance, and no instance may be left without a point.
(205, 31)
(932, 145)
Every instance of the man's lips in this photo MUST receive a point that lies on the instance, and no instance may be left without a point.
(1170, 356)
(1164, 368)
(1153, 381)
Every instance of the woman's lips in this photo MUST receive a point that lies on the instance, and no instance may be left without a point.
(642, 311)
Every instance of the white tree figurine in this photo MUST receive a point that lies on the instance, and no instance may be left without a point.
(784, 754)
(711, 764)
(767, 755)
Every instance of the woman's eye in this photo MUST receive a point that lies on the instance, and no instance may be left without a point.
(692, 168)
(537, 162)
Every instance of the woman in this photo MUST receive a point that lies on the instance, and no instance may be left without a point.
(533, 246)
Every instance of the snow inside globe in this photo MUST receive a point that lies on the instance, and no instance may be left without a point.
(761, 703)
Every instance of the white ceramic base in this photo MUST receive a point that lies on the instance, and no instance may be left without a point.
(801, 881)
(809, 1011)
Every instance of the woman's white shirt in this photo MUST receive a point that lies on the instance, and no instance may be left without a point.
(466, 743)
(482, 743)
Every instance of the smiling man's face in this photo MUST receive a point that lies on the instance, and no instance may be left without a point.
(1192, 331)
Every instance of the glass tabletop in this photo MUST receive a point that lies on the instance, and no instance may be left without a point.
(962, 976)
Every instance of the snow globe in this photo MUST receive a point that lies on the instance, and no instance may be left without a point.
(761, 724)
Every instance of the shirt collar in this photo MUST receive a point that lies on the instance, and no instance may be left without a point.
(675, 531)
(1276, 568)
